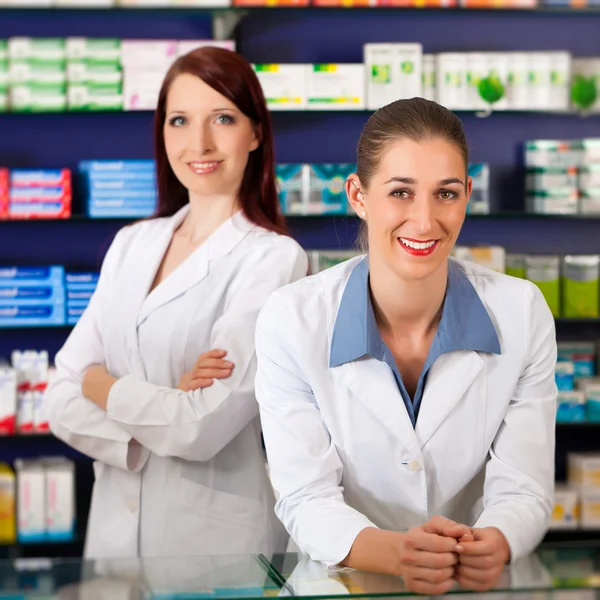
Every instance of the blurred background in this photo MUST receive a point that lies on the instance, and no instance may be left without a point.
(78, 84)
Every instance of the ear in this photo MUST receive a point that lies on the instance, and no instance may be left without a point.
(469, 188)
(356, 195)
(257, 140)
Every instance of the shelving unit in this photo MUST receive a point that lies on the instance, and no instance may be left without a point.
(280, 33)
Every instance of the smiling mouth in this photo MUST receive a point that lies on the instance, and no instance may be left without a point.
(205, 167)
(418, 248)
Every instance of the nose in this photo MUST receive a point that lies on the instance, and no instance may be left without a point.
(422, 215)
(202, 140)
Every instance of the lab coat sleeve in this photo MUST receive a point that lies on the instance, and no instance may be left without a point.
(519, 478)
(306, 470)
(73, 418)
(197, 425)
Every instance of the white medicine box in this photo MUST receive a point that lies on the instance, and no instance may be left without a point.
(583, 470)
(336, 86)
(393, 72)
(284, 86)
(565, 514)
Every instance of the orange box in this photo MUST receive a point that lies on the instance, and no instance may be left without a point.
(271, 2)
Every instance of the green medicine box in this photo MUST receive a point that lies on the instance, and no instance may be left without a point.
(515, 265)
(544, 271)
(581, 286)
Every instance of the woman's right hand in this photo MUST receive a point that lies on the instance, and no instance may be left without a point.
(428, 558)
(209, 366)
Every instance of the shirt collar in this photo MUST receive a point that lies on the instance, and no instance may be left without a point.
(465, 322)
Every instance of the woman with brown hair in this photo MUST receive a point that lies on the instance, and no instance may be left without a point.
(408, 399)
(156, 381)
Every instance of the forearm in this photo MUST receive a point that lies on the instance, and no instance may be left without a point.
(376, 551)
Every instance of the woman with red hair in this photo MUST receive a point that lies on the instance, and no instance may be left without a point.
(156, 381)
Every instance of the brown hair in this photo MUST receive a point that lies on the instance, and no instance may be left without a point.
(416, 119)
(233, 77)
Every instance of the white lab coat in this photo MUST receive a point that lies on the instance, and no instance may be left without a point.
(342, 450)
(197, 482)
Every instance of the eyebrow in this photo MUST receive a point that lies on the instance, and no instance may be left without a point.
(214, 110)
(411, 181)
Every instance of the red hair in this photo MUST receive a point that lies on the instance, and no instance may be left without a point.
(232, 76)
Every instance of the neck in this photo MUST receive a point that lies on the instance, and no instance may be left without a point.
(207, 213)
(407, 306)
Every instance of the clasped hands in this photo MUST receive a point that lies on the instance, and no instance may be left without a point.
(435, 555)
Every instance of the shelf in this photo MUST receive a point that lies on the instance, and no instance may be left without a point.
(189, 10)
(307, 218)
(568, 535)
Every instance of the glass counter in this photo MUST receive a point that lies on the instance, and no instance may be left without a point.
(563, 571)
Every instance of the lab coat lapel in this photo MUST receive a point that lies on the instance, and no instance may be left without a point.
(372, 383)
(448, 380)
(196, 267)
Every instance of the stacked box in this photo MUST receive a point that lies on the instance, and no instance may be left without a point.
(284, 86)
(39, 194)
(45, 500)
(313, 189)
(515, 265)
(95, 78)
(8, 526)
(393, 72)
(80, 287)
(324, 259)
(552, 176)
(145, 64)
(581, 286)
(32, 296)
(37, 74)
(8, 400)
(565, 514)
(490, 257)
(589, 176)
(3, 193)
(4, 75)
(31, 368)
(584, 477)
(119, 189)
(479, 203)
(544, 271)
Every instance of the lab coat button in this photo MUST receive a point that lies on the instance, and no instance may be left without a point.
(414, 465)
(132, 505)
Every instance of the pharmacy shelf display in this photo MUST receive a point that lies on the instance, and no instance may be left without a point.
(62, 140)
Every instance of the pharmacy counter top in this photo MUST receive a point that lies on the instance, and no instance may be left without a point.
(572, 568)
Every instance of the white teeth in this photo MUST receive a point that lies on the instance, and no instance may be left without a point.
(417, 245)
(206, 165)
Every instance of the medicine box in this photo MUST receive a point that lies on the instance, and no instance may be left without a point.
(285, 86)
(490, 257)
(290, 180)
(565, 514)
(336, 86)
(187, 46)
(571, 407)
(31, 501)
(393, 72)
(583, 470)
(581, 286)
(564, 375)
(479, 202)
(8, 507)
(590, 508)
(544, 271)
(102, 50)
(325, 259)
(515, 265)
(8, 400)
(60, 499)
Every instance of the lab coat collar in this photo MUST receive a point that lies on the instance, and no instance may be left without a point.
(465, 323)
(195, 268)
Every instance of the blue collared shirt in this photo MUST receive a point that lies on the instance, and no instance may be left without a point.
(465, 325)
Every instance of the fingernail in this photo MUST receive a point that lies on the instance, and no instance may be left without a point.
(458, 548)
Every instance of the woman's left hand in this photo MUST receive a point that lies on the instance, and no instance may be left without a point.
(481, 559)
(96, 385)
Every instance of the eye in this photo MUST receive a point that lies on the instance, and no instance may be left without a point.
(225, 119)
(403, 194)
(447, 195)
(177, 121)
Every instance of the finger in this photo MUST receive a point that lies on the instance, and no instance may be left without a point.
(467, 537)
(430, 589)
(472, 573)
(429, 560)
(211, 373)
(476, 548)
(430, 575)
(197, 384)
(478, 562)
(430, 542)
(217, 363)
(447, 527)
